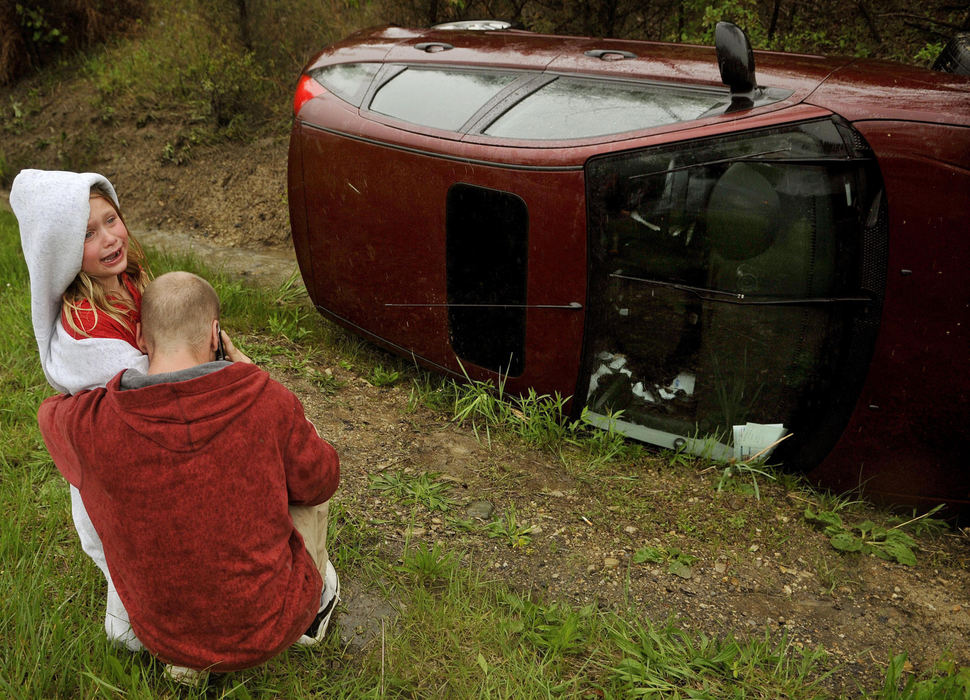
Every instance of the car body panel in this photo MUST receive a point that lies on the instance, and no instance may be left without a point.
(403, 246)
(863, 91)
(907, 435)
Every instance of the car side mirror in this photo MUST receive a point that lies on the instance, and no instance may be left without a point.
(735, 59)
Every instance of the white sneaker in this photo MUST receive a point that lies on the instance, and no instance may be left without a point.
(329, 598)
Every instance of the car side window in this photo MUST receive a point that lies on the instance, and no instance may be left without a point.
(438, 97)
(487, 268)
(348, 81)
(575, 108)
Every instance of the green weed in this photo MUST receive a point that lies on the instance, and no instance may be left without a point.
(555, 629)
(289, 322)
(291, 290)
(382, 377)
(480, 404)
(678, 563)
(948, 682)
(865, 537)
(603, 445)
(431, 391)
(326, 382)
(539, 420)
(423, 489)
(176, 155)
(429, 565)
(678, 458)
(921, 525)
(742, 476)
(509, 529)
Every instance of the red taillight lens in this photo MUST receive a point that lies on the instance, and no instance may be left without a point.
(306, 90)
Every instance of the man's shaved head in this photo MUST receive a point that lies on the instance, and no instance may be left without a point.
(177, 310)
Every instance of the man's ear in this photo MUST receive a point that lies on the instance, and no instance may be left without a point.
(140, 338)
(214, 336)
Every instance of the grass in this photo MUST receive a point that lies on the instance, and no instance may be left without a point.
(424, 489)
(457, 632)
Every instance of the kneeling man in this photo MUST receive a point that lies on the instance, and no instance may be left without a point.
(208, 487)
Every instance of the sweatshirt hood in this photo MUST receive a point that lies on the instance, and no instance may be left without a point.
(52, 209)
(183, 416)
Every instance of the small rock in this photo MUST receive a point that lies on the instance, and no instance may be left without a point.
(610, 563)
(480, 509)
(629, 529)
(753, 548)
(720, 567)
(956, 608)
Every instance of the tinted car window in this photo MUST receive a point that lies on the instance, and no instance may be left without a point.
(348, 81)
(487, 265)
(444, 99)
(571, 108)
(727, 284)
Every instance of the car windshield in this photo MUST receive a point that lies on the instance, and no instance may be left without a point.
(727, 288)
(573, 108)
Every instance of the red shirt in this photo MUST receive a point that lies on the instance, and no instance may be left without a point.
(102, 325)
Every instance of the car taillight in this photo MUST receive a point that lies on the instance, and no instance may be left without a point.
(306, 90)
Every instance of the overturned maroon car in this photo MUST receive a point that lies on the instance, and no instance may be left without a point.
(707, 248)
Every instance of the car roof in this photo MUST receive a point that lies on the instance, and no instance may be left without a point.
(657, 61)
(854, 88)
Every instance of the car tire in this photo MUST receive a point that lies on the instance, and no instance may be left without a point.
(955, 56)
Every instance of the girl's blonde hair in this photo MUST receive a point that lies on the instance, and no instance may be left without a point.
(85, 288)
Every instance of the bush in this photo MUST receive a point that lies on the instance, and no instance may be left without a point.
(32, 34)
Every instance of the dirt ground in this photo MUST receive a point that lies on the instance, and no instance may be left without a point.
(758, 564)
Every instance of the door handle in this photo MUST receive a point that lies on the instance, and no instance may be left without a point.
(609, 54)
(433, 46)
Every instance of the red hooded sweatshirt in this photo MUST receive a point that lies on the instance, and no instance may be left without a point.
(188, 484)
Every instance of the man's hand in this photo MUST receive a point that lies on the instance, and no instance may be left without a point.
(233, 353)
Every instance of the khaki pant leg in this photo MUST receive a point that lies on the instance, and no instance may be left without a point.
(311, 523)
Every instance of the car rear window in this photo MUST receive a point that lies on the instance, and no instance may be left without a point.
(574, 108)
(439, 98)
